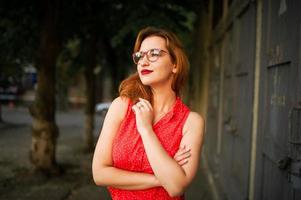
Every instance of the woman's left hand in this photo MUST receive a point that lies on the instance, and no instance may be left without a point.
(182, 156)
(144, 115)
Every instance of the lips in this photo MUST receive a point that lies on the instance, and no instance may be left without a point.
(146, 71)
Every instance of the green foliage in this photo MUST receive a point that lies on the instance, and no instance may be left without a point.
(70, 57)
(18, 37)
(115, 23)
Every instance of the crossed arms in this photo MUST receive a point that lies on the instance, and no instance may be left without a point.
(176, 173)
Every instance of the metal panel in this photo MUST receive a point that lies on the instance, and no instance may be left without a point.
(278, 102)
(277, 109)
(278, 158)
(238, 84)
(213, 107)
(227, 141)
(278, 118)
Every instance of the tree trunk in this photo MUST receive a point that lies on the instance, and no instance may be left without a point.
(44, 128)
(62, 86)
(90, 92)
(1, 119)
(199, 60)
(113, 65)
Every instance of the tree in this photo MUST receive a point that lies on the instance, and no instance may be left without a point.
(108, 30)
(1, 119)
(29, 35)
(44, 128)
(36, 32)
(14, 51)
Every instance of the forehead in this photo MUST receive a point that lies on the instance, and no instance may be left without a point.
(153, 42)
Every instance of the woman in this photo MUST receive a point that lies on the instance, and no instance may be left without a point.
(150, 143)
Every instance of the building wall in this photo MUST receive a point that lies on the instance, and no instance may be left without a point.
(253, 114)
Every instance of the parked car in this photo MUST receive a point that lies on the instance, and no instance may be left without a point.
(102, 108)
(10, 89)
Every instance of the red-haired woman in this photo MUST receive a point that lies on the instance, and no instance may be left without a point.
(150, 143)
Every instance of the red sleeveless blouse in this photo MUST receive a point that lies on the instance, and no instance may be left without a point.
(129, 154)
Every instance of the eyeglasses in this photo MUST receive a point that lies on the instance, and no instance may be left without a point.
(152, 55)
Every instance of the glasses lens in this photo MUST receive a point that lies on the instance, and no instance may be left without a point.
(153, 54)
(136, 57)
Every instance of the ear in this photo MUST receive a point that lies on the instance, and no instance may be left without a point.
(174, 69)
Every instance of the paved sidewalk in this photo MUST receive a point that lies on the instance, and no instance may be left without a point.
(17, 181)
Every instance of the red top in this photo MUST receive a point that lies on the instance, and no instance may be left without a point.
(129, 154)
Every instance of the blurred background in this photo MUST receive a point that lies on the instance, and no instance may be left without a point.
(61, 63)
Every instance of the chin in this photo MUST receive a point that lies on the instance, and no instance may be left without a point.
(153, 81)
(144, 82)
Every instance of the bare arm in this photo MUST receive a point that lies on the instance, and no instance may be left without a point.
(173, 177)
(104, 173)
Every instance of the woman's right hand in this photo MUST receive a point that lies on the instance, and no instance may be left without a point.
(182, 155)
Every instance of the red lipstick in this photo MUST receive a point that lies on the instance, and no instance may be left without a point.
(146, 71)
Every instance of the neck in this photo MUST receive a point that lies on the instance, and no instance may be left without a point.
(163, 100)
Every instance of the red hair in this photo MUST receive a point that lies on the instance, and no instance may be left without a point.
(133, 88)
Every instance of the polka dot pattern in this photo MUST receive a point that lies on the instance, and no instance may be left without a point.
(129, 154)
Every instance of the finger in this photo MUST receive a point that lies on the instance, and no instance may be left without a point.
(142, 105)
(182, 148)
(139, 106)
(183, 162)
(177, 158)
(184, 151)
(146, 103)
(181, 156)
(184, 156)
(149, 104)
(136, 109)
(180, 151)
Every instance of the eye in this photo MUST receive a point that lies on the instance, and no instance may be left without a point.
(138, 55)
(154, 52)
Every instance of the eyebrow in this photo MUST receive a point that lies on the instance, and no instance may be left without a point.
(153, 48)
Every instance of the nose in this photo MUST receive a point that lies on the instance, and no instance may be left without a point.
(143, 61)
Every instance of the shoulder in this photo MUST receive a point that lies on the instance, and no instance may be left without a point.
(119, 107)
(120, 101)
(195, 117)
(195, 123)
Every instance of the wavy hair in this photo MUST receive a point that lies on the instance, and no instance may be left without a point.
(132, 86)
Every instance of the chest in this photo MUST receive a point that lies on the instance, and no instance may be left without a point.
(128, 150)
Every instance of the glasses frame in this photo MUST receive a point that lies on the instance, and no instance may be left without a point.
(147, 53)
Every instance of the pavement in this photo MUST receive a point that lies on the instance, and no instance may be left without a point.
(18, 182)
